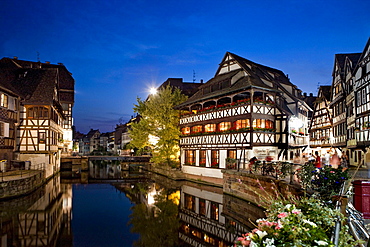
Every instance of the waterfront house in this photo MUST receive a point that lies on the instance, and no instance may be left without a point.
(246, 110)
(39, 133)
(9, 118)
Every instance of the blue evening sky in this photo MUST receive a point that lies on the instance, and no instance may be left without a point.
(117, 49)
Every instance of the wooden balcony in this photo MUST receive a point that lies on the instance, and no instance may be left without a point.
(230, 111)
(226, 140)
(298, 140)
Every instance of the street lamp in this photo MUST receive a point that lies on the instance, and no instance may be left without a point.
(153, 90)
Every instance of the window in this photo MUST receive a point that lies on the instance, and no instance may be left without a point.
(2, 129)
(202, 157)
(210, 128)
(214, 210)
(202, 207)
(231, 154)
(269, 124)
(42, 137)
(242, 123)
(4, 100)
(214, 158)
(190, 157)
(38, 112)
(224, 126)
(185, 130)
(197, 129)
(190, 202)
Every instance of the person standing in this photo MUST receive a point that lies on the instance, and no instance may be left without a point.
(335, 162)
(344, 161)
(317, 160)
(327, 158)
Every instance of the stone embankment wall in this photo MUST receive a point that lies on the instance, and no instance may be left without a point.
(252, 187)
(21, 186)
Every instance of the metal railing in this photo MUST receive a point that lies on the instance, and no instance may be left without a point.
(16, 171)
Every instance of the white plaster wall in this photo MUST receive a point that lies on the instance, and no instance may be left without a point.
(202, 171)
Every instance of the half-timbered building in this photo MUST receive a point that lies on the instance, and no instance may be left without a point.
(321, 124)
(44, 91)
(343, 65)
(362, 102)
(245, 110)
(9, 112)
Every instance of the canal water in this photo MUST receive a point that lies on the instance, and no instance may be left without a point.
(110, 207)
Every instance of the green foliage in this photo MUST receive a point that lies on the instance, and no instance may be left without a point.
(160, 120)
(303, 222)
(325, 181)
(295, 222)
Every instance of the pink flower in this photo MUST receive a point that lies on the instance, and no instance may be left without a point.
(282, 215)
(296, 211)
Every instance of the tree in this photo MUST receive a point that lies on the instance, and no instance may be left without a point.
(158, 126)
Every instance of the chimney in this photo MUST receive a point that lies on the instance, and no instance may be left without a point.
(305, 94)
(60, 63)
(201, 81)
(311, 94)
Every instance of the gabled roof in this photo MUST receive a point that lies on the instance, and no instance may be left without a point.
(365, 53)
(37, 86)
(92, 132)
(340, 60)
(14, 67)
(240, 74)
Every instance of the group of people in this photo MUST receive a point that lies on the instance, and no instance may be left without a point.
(329, 159)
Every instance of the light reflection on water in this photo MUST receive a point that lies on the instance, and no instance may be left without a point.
(145, 209)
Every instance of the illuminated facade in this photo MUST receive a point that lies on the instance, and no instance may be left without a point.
(246, 110)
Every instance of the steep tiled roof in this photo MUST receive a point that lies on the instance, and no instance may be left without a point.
(37, 86)
(249, 75)
(65, 80)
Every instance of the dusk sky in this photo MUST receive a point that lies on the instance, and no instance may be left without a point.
(116, 50)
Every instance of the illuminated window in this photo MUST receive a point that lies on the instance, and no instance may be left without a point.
(214, 158)
(224, 126)
(269, 124)
(185, 130)
(242, 123)
(202, 158)
(258, 123)
(196, 129)
(214, 210)
(190, 202)
(202, 207)
(210, 128)
(4, 100)
(190, 157)
(231, 154)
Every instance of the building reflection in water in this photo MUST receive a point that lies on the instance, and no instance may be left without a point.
(36, 219)
(163, 212)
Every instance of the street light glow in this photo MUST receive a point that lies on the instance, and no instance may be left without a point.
(153, 90)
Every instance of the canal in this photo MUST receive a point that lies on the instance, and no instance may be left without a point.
(131, 208)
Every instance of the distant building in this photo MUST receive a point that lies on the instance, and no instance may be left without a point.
(89, 142)
(320, 129)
